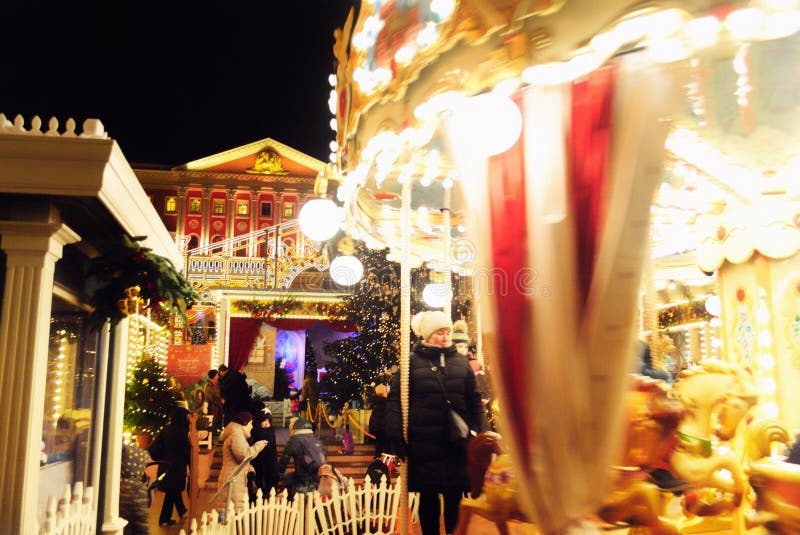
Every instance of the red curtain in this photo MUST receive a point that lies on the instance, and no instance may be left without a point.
(590, 134)
(242, 336)
(508, 211)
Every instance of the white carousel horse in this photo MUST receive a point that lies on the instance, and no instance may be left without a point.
(715, 395)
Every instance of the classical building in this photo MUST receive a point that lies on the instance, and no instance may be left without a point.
(234, 215)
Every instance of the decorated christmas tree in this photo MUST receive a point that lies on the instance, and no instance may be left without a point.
(149, 397)
(373, 309)
(311, 358)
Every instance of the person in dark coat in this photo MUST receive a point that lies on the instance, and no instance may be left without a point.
(794, 453)
(266, 462)
(377, 420)
(134, 497)
(308, 454)
(172, 445)
(235, 393)
(440, 378)
(647, 367)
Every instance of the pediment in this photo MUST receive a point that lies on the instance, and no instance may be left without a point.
(264, 157)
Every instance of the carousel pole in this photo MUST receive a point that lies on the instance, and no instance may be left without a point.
(405, 341)
(448, 271)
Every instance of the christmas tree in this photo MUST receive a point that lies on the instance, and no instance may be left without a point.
(311, 358)
(149, 397)
(373, 309)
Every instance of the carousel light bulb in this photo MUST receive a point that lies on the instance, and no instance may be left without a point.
(668, 50)
(771, 410)
(436, 294)
(334, 124)
(745, 23)
(333, 146)
(702, 32)
(346, 270)
(713, 305)
(762, 315)
(764, 338)
(782, 24)
(320, 219)
(486, 124)
(332, 80)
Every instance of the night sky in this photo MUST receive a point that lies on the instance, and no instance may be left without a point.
(175, 81)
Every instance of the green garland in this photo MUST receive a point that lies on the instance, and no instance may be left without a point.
(126, 265)
(692, 312)
(270, 310)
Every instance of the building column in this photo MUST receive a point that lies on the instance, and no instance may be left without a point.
(32, 249)
(223, 328)
(278, 208)
(253, 247)
(181, 215)
(230, 219)
(205, 210)
(112, 432)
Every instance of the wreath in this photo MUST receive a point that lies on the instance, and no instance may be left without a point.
(132, 278)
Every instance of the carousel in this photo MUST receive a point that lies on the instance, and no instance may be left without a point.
(610, 175)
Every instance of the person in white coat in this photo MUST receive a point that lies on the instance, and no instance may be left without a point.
(235, 449)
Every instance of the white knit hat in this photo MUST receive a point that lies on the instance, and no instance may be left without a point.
(425, 323)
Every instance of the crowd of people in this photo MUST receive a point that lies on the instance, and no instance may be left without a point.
(445, 379)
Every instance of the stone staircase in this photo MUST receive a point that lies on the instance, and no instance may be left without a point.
(353, 465)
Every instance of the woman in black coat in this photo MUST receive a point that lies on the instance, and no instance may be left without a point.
(266, 462)
(440, 378)
(172, 446)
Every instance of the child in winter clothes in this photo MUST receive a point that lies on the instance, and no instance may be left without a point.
(234, 450)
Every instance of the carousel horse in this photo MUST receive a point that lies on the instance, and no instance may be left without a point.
(493, 491)
(776, 483)
(651, 420)
(635, 500)
(716, 396)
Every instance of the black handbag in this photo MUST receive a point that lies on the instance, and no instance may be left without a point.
(458, 432)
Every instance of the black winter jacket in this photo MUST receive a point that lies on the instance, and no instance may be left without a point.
(172, 445)
(301, 442)
(266, 462)
(434, 464)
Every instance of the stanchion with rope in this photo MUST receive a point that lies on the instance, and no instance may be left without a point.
(358, 426)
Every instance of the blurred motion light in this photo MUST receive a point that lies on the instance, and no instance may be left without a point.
(320, 219)
(346, 270)
(486, 124)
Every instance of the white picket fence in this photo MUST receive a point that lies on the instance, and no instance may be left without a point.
(368, 510)
(75, 513)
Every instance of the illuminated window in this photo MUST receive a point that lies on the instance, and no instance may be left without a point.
(266, 209)
(219, 206)
(170, 205)
(241, 207)
(69, 395)
(288, 210)
(194, 206)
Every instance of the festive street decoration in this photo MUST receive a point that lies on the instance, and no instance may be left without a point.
(374, 311)
(288, 308)
(126, 266)
(693, 311)
(149, 397)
